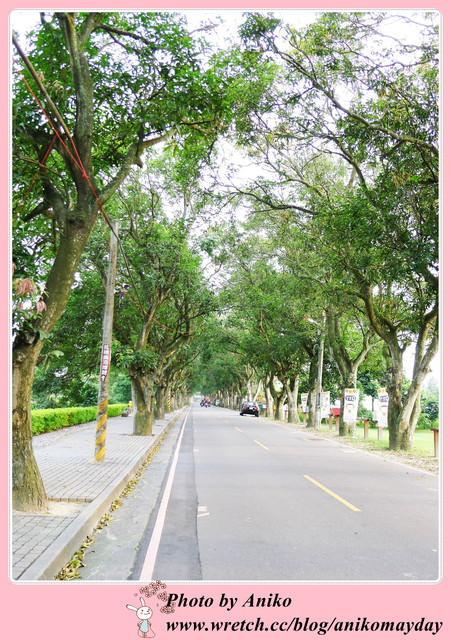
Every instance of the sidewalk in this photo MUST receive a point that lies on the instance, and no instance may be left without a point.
(79, 490)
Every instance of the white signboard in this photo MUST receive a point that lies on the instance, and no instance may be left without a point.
(304, 402)
(351, 405)
(382, 411)
(325, 404)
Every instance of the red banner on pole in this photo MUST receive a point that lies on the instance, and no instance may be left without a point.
(105, 363)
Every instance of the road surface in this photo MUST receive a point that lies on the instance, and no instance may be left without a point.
(245, 499)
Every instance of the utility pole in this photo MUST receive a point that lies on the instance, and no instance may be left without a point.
(102, 404)
(319, 380)
(319, 383)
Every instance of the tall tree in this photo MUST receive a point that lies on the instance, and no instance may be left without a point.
(372, 105)
(111, 85)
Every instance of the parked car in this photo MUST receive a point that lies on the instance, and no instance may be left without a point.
(249, 408)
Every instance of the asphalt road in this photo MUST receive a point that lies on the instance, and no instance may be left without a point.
(250, 500)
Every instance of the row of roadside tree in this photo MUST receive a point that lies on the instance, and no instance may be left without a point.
(281, 178)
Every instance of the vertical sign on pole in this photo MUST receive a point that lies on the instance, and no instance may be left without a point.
(325, 404)
(319, 382)
(382, 410)
(304, 403)
(102, 405)
(351, 407)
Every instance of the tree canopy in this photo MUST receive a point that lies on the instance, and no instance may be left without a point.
(283, 177)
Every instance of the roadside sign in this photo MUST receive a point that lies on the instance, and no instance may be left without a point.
(382, 410)
(351, 405)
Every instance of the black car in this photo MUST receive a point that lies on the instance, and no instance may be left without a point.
(249, 408)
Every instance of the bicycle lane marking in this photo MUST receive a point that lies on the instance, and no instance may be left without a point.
(152, 550)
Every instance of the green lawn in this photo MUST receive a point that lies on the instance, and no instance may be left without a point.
(423, 443)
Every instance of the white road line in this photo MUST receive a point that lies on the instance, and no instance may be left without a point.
(152, 549)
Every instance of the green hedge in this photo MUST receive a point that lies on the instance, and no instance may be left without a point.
(43, 420)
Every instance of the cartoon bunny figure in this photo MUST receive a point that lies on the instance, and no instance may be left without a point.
(143, 613)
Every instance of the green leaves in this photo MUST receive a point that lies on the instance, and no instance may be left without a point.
(137, 362)
(258, 27)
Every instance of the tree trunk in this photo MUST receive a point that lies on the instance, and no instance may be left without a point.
(311, 400)
(269, 401)
(144, 399)
(398, 432)
(279, 402)
(292, 389)
(249, 393)
(28, 493)
(346, 364)
(279, 399)
(238, 398)
(311, 403)
(161, 395)
(403, 416)
(401, 419)
(406, 414)
(257, 391)
(415, 413)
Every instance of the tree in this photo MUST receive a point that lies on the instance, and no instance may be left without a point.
(111, 85)
(350, 344)
(69, 360)
(266, 305)
(375, 108)
(164, 298)
(218, 368)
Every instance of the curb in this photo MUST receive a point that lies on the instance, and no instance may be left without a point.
(61, 550)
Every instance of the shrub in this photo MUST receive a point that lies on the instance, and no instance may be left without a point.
(44, 420)
(365, 414)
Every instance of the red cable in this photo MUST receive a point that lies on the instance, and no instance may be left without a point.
(41, 164)
(79, 164)
(51, 124)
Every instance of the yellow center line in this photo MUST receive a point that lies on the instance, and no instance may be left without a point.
(238, 429)
(331, 493)
(261, 445)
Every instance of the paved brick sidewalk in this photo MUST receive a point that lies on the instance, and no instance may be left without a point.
(79, 489)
